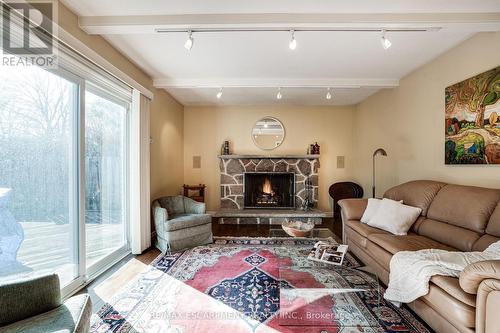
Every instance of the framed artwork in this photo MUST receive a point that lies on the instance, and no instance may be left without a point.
(472, 120)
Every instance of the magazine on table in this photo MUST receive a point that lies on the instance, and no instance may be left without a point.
(328, 252)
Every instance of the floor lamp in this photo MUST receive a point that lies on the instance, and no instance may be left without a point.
(377, 152)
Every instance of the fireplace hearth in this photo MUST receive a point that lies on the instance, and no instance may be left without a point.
(273, 190)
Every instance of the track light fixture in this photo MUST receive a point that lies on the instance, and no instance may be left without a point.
(279, 95)
(386, 43)
(189, 42)
(328, 94)
(293, 42)
(219, 94)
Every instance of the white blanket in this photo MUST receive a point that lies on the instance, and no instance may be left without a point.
(411, 270)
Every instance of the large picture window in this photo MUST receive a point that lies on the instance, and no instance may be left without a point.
(63, 172)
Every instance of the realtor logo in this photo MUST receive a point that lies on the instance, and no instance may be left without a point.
(28, 33)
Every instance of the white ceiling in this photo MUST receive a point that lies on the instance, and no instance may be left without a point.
(251, 65)
(176, 7)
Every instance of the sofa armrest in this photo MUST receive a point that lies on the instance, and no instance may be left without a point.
(472, 276)
(353, 209)
(24, 299)
(193, 206)
(483, 278)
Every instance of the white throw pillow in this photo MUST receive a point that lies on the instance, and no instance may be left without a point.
(371, 209)
(394, 217)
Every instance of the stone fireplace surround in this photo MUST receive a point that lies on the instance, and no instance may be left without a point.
(232, 170)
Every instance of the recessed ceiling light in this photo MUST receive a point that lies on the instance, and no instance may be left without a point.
(293, 42)
(219, 94)
(279, 95)
(190, 41)
(386, 43)
(328, 94)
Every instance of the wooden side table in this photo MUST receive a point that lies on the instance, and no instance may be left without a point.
(195, 192)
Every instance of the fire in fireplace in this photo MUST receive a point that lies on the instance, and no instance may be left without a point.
(269, 190)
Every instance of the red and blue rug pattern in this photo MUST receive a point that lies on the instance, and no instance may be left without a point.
(234, 286)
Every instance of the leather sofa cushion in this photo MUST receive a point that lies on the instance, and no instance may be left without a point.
(457, 237)
(419, 193)
(379, 254)
(450, 307)
(452, 286)
(355, 237)
(364, 229)
(393, 243)
(464, 206)
(482, 243)
(493, 227)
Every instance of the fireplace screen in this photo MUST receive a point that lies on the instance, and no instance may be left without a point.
(269, 190)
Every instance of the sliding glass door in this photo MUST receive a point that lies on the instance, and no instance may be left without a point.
(63, 175)
(38, 174)
(106, 170)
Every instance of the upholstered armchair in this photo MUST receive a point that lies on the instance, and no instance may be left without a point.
(180, 223)
(34, 305)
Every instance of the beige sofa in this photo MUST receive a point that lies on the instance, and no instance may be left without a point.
(458, 218)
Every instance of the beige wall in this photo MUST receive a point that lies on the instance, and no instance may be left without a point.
(408, 121)
(205, 128)
(166, 113)
(167, 148)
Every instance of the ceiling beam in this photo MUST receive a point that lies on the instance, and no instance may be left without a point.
(150, 24)
(273, 83)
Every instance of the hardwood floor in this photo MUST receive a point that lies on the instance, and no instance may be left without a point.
(109, 283)
(102, 289)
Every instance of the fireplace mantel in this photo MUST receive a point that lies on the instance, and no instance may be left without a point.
(280, 157)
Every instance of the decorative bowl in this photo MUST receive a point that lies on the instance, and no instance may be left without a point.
(297, 228)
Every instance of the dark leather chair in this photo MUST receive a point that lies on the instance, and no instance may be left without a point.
(343, 190)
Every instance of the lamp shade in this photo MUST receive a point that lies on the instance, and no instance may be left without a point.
(380, 151)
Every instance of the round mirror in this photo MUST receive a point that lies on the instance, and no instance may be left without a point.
(268, 133)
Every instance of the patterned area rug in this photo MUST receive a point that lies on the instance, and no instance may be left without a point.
(233, 286)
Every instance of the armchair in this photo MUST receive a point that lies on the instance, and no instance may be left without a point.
(180, 223)
(33, 306)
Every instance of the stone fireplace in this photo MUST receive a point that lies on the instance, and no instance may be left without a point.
(303, 171)
(275, 190)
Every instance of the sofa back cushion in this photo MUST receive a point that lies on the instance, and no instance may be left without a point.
(418, 193)
(464, 206)
(485, 241)
(493, 227)
(448, 234)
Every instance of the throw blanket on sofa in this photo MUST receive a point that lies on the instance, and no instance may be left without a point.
(411, 270)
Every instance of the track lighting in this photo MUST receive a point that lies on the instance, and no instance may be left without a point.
(279, 95)
(293, 42)
(189, 42)
(386, 43)
(328, 94)
(219, 94)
